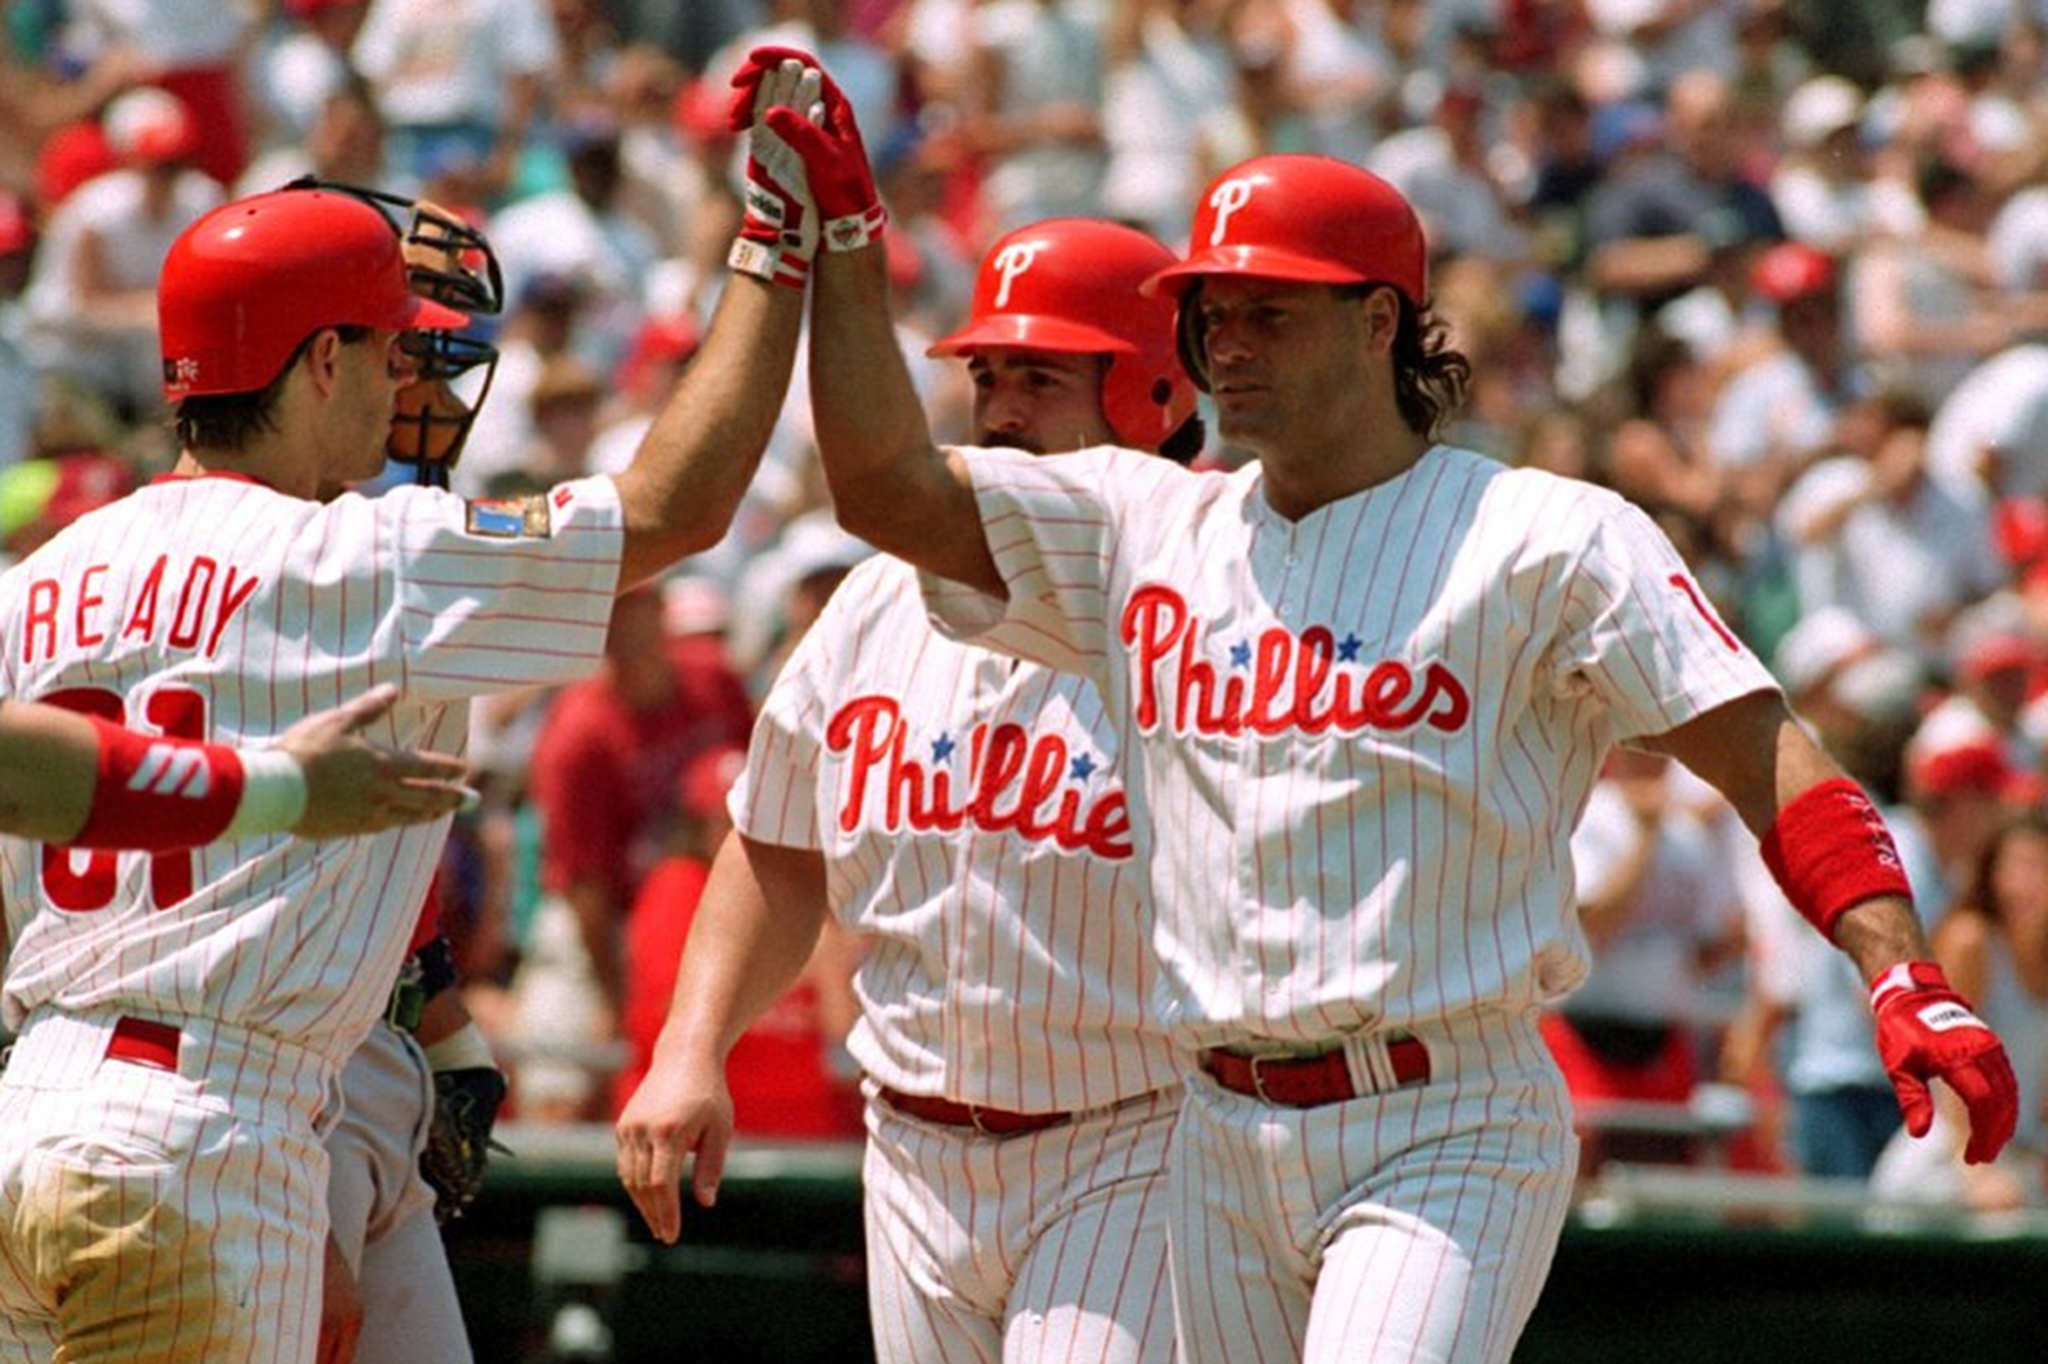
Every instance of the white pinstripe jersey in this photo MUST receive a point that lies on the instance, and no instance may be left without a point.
(218, 608)
(975, 830)
(1358, 741)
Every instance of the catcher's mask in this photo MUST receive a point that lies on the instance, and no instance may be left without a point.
(450, 262)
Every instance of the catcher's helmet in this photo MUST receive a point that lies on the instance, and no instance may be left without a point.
(1306, 218)
(244, 285)
(1071, 285)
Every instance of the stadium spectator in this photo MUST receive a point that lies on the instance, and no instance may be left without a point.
(468, 78)
(20, 390)
(191, 49)
(786, 1072)
(605, 770)
(1874, 534)
(92, 297)
(1659, 909)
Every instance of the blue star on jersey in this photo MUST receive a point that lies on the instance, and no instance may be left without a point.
(1241, 655)
(1083, 767)
(1347, 649)
(942, 748)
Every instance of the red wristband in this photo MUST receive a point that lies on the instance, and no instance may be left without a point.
(156, 794)
(1830, 851)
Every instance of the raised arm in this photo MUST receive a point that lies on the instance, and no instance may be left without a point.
(696, 460)
(685, 481)
(890, 485)
(1827, 846)
(754, 930)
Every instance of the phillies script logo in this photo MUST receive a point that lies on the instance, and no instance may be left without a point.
(1165, 641)
(1015, 782)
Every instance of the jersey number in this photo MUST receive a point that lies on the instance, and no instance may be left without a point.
(175, 713)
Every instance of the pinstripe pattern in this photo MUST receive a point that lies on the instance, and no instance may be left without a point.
(974, 831)
(1475, 638)
(1037, 1249)
(299, 939)
(1427, 1237)
(152, 1217)
(1358, 743)
(251, 610)
(1002, 967)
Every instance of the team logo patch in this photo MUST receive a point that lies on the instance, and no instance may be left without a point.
(509, 518)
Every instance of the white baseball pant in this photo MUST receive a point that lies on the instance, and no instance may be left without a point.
(1044, 1246)
(383, 1212)
(152, 1216)
(1416, 1224)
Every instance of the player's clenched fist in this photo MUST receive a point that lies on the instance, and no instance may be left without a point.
(680, 1108)
(828, 140)
(1926, 1031)
(354, 787)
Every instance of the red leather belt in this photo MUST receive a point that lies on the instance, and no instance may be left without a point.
(990, 1122)
(141, 1042)
(1310, 1081)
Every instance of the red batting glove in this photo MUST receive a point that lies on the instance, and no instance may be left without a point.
(1926, 1030)
(779, 231)
(835, 159)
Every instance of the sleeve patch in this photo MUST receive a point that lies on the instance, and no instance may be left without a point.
(508, 518)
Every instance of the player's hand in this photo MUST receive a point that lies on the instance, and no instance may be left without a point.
(1926, 1031)
(835, 160)
(779, 231)
(678, 1109)
(341, 1309)
(355, 787)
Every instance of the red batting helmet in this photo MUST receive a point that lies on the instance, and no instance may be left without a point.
(1071, 285)
(1305, 218)
(243, 286)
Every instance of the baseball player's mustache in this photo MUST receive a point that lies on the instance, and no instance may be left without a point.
(999, 440)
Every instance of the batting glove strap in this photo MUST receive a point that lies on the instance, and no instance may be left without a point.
(1925, 1031)
(856, 230)
(779, 231)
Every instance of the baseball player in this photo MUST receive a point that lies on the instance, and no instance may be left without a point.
(420, 1095)
(1363, 686)
(67, 778)
(183, 1019)
(964, 814)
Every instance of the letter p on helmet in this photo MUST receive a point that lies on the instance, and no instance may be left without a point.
(1227, 198)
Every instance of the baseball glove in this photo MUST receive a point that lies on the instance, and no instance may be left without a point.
(459, 1141)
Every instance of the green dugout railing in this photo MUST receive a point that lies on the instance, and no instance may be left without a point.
(1660, 1265)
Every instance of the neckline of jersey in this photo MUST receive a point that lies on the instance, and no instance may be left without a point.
(225, 475)
(1265, 511)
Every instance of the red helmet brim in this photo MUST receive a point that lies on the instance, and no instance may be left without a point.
(1032, 331)
(1262, 262)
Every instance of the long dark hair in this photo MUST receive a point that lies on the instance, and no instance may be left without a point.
(1430, 378)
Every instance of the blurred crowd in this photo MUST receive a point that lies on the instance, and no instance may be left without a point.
(1776, 270)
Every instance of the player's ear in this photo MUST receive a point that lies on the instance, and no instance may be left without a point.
(322, 360)
(1381, 312)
